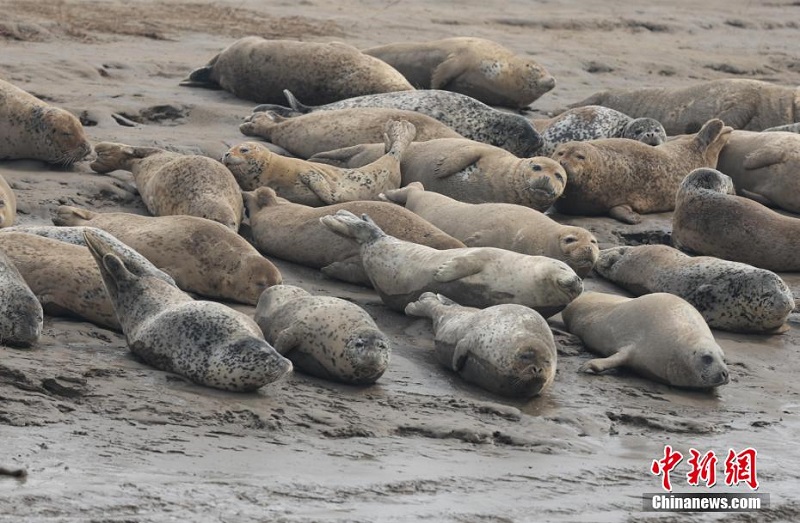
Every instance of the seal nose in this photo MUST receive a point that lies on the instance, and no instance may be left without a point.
(225, 156)
(723, 377)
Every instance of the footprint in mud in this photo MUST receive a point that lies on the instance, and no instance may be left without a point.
(156, 114)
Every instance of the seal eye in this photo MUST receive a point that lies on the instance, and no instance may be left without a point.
(570, 239)
(707, 360)
(536, 167)
(359, 343)
(559, 177)
(244, 150)
(593, 241)
(580, 157)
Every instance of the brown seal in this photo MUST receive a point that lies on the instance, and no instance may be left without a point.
(503, 225)
(309, 134)
(37, 130)
(8, 204)
(314, 184)
(259, 70)
(293, 232)
(764, 167)
(203, 256)
(710, 219)
(467, 171)
(623, 178)
(482, 69)
(743, 104)
(173, 184)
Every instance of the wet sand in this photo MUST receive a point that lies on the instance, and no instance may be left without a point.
(105, 438)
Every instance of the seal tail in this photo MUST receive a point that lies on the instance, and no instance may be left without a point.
(344, 223)
(72, 216)
(426, 305)
(400, 196)
(398, 135)
(295, 104)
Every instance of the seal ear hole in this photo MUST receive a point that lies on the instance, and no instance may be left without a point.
(560, 177)
(536, 167)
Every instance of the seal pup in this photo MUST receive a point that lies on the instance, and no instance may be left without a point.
(294, 233)
(8, 204)
(659, 336)
(64, 277)
(314, 184)
(764, 167)
(623, 178)
(710, 219)
(731, 296)
(309, 134)
(21, 314)
(401, 271)
(466, 116)
(172, 183)
(206, 342)
(36, 130)
(257, 69)
(502, 225)
(753, 105)
(324, 336)
(506, 349)
(482, 69)
(467, 171)
(594, 122)
(203, 256)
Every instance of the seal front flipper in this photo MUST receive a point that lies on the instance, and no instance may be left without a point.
(317, 184)
(456, 161)
(287, 339)
(201, 78)
(350, 270)
(764, 157)
(447, 71)
(599, 365)
(460, 354)
(625, 214)
(760, 198)
(459, 267)
(350, 157)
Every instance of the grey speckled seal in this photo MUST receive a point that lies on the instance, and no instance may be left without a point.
(731, 296)
(594, 122)
(324, 336)
(466, 116)
(21, 313)
(208, 343)
(506, 349)
(479, 277)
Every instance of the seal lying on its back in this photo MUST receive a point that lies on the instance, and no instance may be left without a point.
(764, 167)
(206, 342)
(173, 184)
(659, 336)
(467, 116)
(743, 104)
(203, 256)
(37, 130)
(314, 184)
(502, 225)
(594, 122)
(324, 336)
(479, 277)
(293, 232)
(623, 177)
(467, 171)
(257, 69)
(476, 67)
(506, 349)
(21, 313)
(310, 134)
(8, 204)
(730, 296)
(710, 219)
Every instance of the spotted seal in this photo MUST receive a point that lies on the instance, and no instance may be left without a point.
(594, 122)
(623, 178)
(8, 204)
(324, 336)
(293, 232)
(505, 226)
(36, 130)
(710, 219)
(401, 271)
(257, 69)
(730, 296)
(203, 256)
(476, 67)
(506, 349)
(659, 336)
(466, 116)
(753, 105)
(314, 184)
(174, 184)
(206, 342)
(467, 171)
(21, 313)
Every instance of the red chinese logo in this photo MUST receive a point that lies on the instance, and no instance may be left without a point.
(665, 465)
(704, 468)
(739, 468)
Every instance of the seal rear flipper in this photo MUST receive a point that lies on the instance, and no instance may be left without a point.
(201, 78)
(764, 157)
(350, 270)
(344, 223)
(625, 214)
(295, 104)
(281, 110)
(458, 267)
(598, 365)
